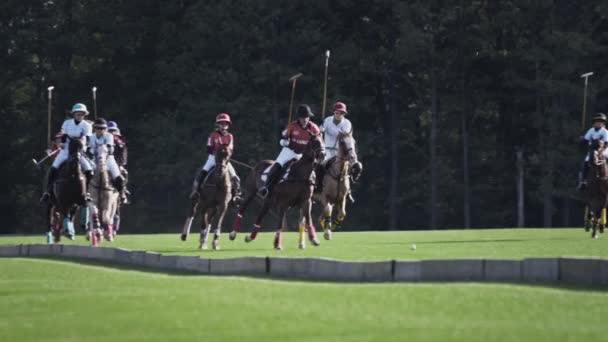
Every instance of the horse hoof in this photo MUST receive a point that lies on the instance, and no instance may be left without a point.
(232, 235)
(301, 245)
(315, 241)
(278, 248)
(88, 236)
(184, 237)
(327, 234)
(202, 246)
(248, 238)
(72, 237)
(216, 246)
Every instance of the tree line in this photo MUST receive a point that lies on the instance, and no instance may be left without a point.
(466, 113)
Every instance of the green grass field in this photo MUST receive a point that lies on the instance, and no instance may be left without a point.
(54, 300)
(62, 300)
(494, 243)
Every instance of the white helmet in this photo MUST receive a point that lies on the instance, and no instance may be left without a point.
(79, 107)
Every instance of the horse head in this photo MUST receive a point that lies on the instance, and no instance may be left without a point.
(315, 148)
(347, 147)
(596, 150)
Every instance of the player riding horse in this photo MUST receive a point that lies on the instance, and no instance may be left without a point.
(104, 199)
(335, 183)
(213, 200)
(597, 188)
(295, 189)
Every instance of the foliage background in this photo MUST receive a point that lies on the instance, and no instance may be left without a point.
(442, 95)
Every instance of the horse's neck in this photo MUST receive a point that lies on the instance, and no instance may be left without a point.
(302, 168)
(221, 174)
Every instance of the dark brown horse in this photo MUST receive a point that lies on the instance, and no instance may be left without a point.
(597, 188)
(68, 191)
(295, 190)
(213, 200)
(336, 184)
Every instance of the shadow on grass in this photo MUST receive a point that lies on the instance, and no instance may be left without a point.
(172, 272)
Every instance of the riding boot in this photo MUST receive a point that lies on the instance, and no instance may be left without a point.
(236, 190)
(198, 180)
(582, 177)
(271, 176)
(119, 184)
(87, 196)
(49, 185)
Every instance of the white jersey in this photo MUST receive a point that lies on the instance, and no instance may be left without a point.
(593, 134)
(95, 141)
(77, 131)
(331, 130)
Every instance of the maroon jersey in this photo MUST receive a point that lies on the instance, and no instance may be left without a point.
(216, 139)
(299, 136)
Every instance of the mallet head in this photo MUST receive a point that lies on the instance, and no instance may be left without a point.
(587, 75)
(50, 88)
(295, 77)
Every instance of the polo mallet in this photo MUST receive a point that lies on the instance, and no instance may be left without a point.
(38, 163)
(293, 80)
(94, 89)
(325, 86)
(586, 77)
(50, 103)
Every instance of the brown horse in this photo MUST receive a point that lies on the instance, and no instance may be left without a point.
(597, 188)
(294, 190)
(336, 184)
(104, 199)
(213, 200)
(68, 192)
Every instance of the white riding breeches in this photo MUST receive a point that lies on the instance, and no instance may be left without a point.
(211, 163)
(286, 155)
(112, 167)
(63, 155)
(330, 153)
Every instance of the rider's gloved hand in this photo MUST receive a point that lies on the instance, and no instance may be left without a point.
(284, 142)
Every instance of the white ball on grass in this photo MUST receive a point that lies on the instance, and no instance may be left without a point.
(413, 247)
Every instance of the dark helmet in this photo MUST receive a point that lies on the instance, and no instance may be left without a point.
(100, 123)
(304, 111)
(112, 125)
(599, 117)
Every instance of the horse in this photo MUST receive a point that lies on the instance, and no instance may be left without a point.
(68, 192)
(104, 199)
(336, 184)
(213, 200)
(597, 189)
(293, 190)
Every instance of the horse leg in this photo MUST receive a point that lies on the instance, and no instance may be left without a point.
(57, 222)
(587, 218)
(306, 212)
(50, 210)
(206, 227)
(84, 218)
(277, 236)
(189, 219)
(603, 221)
(239, 216)
(218, 226)
(256, 226)
(70, 231)
(95, 224)
(301, 232)
(341, 213)
(326, 220)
